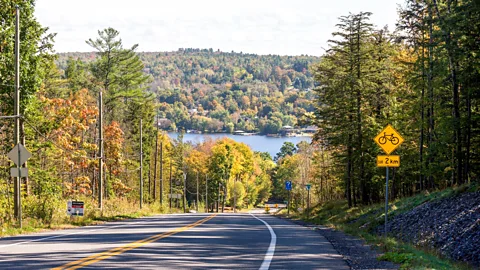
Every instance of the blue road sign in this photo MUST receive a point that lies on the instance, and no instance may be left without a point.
(288, 185)
(308, 186)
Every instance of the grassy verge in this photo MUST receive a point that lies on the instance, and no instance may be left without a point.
(360, 221)
(114, 209)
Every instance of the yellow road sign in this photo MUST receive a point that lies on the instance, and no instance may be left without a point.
(388, 139)
(388, 161)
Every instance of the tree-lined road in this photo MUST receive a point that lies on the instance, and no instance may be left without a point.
(193, 241)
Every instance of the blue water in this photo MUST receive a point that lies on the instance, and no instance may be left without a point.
(271, 145)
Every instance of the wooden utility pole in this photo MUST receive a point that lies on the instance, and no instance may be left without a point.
(141, 165)
(17, 183)
(155, 167)
(218, 198)
(161, 172)
(198, 194)
(206, 193)
(234, 195)
(171, 186)
(184, 192)
(100, 149)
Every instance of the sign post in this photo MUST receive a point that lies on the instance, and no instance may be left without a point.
(288, 186)
(19, 155)
(388, 139)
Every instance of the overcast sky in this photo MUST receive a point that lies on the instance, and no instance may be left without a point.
(285, 27)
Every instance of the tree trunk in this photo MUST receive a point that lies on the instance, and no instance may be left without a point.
(422, 107)
(468, 138)
(431, 122)
(453, 65)
(349, 171)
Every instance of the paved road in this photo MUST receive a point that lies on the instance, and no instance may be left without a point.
(193, 241)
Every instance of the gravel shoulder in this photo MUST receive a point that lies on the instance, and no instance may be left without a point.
(355, 251)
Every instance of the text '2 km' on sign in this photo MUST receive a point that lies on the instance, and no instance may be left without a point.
(388, 161)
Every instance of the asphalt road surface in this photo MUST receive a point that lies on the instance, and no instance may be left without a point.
(190, 241)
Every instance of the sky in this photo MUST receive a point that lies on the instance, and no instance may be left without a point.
(284, 27)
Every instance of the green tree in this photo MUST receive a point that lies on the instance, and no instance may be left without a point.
(287, 149)
(118, 72)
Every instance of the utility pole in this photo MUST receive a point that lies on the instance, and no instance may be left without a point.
(100, 149)
(155, 167)
(184, 192)
(149, 181)
(198, 194)
(206, 193)
(235, 195)
(141, 165)
(218, 199)
(17, 183)
(171, 186)
(161, 172)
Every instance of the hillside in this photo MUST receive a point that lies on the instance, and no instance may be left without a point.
(212, 91)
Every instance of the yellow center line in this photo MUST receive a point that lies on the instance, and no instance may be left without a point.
(119, 250)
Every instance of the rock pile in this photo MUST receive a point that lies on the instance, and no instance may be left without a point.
(450, 226)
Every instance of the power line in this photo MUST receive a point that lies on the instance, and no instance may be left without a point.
(50, 141)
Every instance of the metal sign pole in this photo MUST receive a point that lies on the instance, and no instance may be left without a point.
(288, 203)
(386, 203)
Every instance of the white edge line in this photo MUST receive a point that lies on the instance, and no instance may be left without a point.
(79, 232)
(271, 249)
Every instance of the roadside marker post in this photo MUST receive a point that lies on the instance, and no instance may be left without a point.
(388, 139)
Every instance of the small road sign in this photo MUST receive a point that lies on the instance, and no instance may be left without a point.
(288, 185)
(308, 186)
(14, 172)
(24, 154)
(388, 161)
(174, 196)
(388, 139)
(75, 208)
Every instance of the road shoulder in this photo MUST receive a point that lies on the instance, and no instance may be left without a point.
(356, 252)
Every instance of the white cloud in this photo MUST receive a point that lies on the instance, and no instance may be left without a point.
(253, 26)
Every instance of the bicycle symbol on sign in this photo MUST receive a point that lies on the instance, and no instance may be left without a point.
(383, 140)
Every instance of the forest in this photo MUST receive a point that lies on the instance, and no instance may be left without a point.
(214, 91)
(422, 78)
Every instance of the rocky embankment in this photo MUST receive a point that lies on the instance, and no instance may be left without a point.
(450, 225)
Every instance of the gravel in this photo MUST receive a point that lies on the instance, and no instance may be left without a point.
(355, 251)
(450, 225)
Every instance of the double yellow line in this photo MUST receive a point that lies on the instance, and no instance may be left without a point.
(119, 250)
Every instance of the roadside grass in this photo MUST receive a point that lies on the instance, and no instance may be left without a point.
(114, 209)
(361, 220)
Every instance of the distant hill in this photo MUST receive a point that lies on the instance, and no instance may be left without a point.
(212, 91)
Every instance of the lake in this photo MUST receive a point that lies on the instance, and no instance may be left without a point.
(261, 143)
